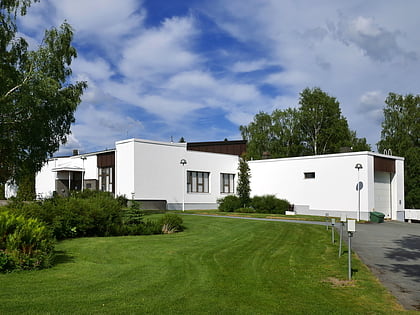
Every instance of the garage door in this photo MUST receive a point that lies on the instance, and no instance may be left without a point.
(383, 193)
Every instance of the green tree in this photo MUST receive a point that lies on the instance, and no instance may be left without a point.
(316, 127)
(37, 98)
(244, 176)
(259, 134)
(401, 134)
(324, 129)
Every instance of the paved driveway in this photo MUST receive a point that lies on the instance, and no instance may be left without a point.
(392, 252)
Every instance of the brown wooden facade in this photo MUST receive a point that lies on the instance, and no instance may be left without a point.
(235, 147)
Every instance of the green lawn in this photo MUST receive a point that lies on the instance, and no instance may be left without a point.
(216, 266)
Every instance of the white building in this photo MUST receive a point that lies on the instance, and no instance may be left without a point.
(329, 183)
(148, 171)
(152, 172)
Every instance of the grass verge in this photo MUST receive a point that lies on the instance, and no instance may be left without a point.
(216, 266)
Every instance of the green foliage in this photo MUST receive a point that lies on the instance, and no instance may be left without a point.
(259, 204)
(316, 127)
(26, 188)
(87, 213)
(24, 243)
(37, 100)
(229, 203)
(401, 134)
(244, 188)
(269, 204)
(171, 223)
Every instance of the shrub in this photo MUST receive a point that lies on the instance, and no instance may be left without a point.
(229, 203)
(269, 204)
(87, 213)
(24, 243)
(171, 223)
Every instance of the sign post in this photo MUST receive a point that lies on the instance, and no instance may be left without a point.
(326, 219)
(351, 228)
(343, 220)
(332, 230)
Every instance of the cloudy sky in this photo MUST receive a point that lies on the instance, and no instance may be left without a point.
(198, 69)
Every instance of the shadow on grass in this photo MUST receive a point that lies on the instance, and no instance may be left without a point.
(61, 257)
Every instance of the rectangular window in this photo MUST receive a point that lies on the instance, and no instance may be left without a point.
(198, 182)
(105, 178)
(309, 175)
(227, 183)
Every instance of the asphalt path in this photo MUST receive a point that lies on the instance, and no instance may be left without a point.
(391, 250)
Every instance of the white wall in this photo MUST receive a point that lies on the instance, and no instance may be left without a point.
(152, 170)
(332, 190)
(46, 177)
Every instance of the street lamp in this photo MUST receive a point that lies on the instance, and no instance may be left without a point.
(358, 187)
(183, 162)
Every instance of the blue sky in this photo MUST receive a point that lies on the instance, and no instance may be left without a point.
(199, 69)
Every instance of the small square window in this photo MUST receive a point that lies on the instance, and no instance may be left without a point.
(309, 175)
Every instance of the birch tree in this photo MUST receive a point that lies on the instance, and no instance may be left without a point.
(37, 97)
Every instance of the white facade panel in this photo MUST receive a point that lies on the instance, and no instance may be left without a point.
(332, 189)
(149, 170)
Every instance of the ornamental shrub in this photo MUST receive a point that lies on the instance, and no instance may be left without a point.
(229, 203)
(24, 243)
(269, 204)
(87, 213)
(171, 223)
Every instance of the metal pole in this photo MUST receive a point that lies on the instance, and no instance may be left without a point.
(332, 230)
(358, 190)
(349, 251)
(183, 189)
(341, 238)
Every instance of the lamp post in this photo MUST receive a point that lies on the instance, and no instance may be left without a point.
(83, 172)
(183, 162)
(358, 187)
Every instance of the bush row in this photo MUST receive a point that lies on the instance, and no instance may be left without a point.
(24, 243)
(259, 204)
(90, 213)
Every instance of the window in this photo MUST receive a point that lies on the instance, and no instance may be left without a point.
(198, 182)
(309, 175)
(227, 183)
(105, 179)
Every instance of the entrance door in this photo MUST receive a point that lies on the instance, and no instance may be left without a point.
(383, 193)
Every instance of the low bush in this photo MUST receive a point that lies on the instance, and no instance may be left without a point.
(171, 223)
(269, 204)
(229, 203)
(24, 243)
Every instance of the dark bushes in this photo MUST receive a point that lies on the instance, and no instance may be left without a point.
(88, 213)
(229, 203)
(82, 214)
(259, 204)
(269, 204)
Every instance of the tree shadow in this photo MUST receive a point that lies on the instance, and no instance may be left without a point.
(409, 249)
(61, 257)
(408, 252)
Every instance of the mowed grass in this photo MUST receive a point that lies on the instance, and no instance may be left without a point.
(216, 266)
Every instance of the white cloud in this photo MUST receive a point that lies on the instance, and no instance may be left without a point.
(249, 66)
(160, 51)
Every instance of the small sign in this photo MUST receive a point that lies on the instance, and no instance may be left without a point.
(351, 225)
(343, 217)
(359, 186)
(333, 221)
